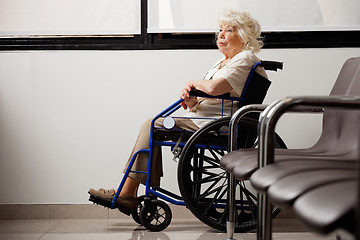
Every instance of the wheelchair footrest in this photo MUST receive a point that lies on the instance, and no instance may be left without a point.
(107, 203)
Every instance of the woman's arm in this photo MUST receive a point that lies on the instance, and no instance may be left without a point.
(212, 87)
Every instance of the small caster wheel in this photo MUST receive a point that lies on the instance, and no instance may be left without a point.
(155, 215)
(136, 212)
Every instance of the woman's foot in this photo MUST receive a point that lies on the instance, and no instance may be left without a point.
(104, 197)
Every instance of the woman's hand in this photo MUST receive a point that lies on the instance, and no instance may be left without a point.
(214, 87)
(189, 101)
(185, 93)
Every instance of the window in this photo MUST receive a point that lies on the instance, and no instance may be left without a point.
(174, 16)
(69, 17)
(171, 24)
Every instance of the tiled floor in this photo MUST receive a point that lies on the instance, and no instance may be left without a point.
(127, 229)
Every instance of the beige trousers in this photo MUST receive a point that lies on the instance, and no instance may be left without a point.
(142, 142)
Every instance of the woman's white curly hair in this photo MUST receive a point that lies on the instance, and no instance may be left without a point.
(249, 29)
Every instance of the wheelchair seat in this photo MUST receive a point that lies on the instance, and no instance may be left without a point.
(173, 135)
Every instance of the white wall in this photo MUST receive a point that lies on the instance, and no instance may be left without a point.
(68, 119)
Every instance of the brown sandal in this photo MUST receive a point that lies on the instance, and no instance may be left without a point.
(104, 198)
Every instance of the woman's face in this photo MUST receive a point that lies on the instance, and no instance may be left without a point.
(229, 42)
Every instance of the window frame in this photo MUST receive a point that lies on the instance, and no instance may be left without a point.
(156, 41)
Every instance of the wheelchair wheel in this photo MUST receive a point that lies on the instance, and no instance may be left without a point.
(155, 215)
(136, 212)
(203, 183)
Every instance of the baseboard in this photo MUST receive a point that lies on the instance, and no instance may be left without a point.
(72, 211)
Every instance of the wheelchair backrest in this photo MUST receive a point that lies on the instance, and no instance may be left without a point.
(255, 90)
(256, 86)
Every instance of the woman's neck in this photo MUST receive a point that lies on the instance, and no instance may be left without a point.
(229, 56)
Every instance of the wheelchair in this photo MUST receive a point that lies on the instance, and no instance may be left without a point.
(202, 182)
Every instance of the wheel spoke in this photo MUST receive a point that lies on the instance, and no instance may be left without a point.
(213, 177)
(209, 191)
(218, 190)
(212, 161)
(251, 203)
(216, 178)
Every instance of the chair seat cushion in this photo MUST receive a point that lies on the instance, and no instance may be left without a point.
(242, 157)
(287, 189)
(243, 163)
(265, 177)
(329, 207)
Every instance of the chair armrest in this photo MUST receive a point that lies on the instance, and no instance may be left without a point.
(260, 108)
(236, 118)
(273, 112)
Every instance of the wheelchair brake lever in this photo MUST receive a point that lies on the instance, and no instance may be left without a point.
(177, 150)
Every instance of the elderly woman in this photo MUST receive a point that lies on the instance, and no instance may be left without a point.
(237, 40)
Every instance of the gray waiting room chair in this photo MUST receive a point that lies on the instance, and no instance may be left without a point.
(305, 178)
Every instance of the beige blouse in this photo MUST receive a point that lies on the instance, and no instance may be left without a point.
(235, 72)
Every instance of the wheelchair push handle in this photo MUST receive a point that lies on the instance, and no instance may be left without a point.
(271, 65)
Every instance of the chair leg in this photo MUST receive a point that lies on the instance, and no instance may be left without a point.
(230, 224)
(264, 228)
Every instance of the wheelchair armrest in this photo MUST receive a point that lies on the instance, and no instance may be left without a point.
(198, 93)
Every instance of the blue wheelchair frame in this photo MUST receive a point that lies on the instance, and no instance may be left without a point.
(160, 192)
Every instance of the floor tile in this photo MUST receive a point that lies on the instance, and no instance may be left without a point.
(127, 229)
(26, 226)
(93, 226)
(20, 236)
(302, 236)
(87, 236)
